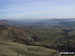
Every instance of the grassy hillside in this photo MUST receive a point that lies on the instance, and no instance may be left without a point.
(8, 48)
(13, 34)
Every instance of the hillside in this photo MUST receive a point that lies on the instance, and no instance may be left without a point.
(8, 48)
(12, 34)
(14, 40)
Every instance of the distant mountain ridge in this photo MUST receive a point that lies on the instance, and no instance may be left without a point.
(40, 23)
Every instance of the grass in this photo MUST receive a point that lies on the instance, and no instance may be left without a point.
(8, 48)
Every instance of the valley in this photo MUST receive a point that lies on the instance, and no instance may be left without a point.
(41, 38)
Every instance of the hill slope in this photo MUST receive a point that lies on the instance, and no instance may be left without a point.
(8, 48)
(13, 34)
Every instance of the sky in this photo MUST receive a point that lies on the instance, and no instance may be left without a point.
(40, 9)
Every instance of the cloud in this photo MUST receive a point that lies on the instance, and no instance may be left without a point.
(36, 8)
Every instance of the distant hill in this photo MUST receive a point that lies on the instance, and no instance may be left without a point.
(40, 23)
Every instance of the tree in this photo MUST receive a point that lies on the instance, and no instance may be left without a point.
(36, 38)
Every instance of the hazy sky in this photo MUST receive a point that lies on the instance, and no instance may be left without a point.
(28, 9)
